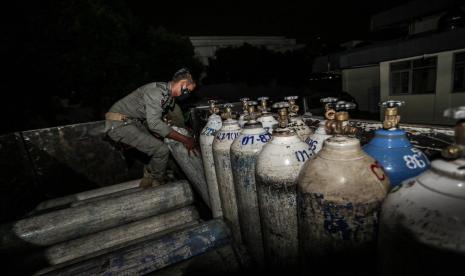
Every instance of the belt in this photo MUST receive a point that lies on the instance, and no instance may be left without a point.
(116, 116)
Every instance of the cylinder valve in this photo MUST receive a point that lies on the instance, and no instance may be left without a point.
(293, 107)
(213, 108)
(263, 108)
(227, 113)
(391, 117)
(244, 104)
(282, 113)
(339, 125)
(329, 102)
(252, 114)
(458, 149)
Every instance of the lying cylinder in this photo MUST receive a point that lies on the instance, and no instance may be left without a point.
(277, 168)
(152, 255)
(340, 193)
(190, 163)
(112, 195)
(267, 120)
(222, 158)
(66, 200)
(70, 223)
(109, 240)
(244, 153)
(423, 219)
(206, 141)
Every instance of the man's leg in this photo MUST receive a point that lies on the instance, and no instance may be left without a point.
(137, 136)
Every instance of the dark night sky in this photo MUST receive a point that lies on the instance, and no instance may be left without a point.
(331, 20)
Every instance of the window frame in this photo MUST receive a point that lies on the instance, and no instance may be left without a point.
(454, 66)
(410, 71)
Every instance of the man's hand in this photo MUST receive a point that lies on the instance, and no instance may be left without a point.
(189, 142)
(192, 146)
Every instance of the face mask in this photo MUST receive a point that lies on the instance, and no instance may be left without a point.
(184, 94)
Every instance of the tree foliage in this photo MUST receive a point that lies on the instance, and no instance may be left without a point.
(87, 52)
(258, 65)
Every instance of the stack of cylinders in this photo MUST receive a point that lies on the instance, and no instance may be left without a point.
(340, 194)
(244, 153)
(62, 225)
(152, 255)
(190, 163)
(67, 200)
(120, 235)
(277, 168)
(206, 141)
(221, 155)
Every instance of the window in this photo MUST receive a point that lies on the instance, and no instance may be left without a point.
(459, 72)
(416, 76)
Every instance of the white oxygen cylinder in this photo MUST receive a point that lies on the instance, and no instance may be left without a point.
(207, 136)
(222, 158)
(267, 120)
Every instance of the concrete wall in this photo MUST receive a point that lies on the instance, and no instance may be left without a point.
(363, 84)
(428, 108)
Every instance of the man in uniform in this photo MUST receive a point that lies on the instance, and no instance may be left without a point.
(136, 119)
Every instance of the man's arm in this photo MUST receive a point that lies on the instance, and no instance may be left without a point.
(153, 112)
(155, 122)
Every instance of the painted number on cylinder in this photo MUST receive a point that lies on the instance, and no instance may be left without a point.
(227, 136)
(208, 131)
(263, 138)
(304, 155)
(414, 161)
(312, 143)
(378, 171)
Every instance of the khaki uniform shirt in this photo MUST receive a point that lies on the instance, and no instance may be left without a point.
(149, 102)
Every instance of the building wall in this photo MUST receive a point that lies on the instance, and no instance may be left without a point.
(363, 84)
(428, 108)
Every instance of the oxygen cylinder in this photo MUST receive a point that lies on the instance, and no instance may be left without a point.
(277, 168)
(339, 194)
(206, 140)
(267, 120)
(244, 153)
(392, 149)
(422, 229)
(316, 139)
(221, 156)
(242, 117)
(295, 122)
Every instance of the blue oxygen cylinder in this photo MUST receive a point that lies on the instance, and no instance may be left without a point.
(392, 149)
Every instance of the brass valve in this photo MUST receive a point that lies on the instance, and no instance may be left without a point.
(293, 107)
(283, 119)
(244, 104)
(458, 149)
(329, 102)
(340, 124)
(252, 115)
(391, 117)
(227, 113)
(213, 108)
(263, 104)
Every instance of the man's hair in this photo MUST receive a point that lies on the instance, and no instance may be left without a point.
(183, 74)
